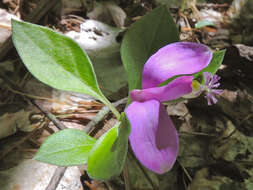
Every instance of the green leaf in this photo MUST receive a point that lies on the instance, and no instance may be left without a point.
(215, 63)
(111, 76)
(144, 38)
(56, 60)
(108, 155)
(68, 147)
(203, 23)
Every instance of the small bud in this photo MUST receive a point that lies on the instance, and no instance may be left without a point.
(196, 90)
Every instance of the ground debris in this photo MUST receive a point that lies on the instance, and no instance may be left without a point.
(216, 142)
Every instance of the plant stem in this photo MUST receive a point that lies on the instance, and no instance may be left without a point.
(111, 107)
(126, 176)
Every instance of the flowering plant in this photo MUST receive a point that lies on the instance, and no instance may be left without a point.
(170, 73)
(153, 136)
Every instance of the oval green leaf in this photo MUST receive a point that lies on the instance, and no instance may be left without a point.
(144, 38)
(54, 59)
(68, 147)
(107, 157)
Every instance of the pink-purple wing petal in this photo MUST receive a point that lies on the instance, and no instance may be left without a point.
(173, 90)
(178, 58)
(153, 137)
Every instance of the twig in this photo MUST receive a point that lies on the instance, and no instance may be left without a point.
(101, 114)
(185, 171)
(211, 5)
(5, 26)
(42, 8)
(56, 178)
(246, 118)
(197, 134)
(35, 97)
(50, 116)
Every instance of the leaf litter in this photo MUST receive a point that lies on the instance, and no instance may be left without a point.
(216, 142)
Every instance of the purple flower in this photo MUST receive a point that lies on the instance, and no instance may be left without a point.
(151, 125)
(153, 137)
(210, 87)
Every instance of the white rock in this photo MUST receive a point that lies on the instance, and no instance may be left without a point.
(5, 25)
(97, 39)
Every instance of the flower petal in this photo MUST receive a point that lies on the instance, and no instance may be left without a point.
(175, 59)
(173, 90)
(153, 137)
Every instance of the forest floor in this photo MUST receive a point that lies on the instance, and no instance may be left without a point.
(216, 142)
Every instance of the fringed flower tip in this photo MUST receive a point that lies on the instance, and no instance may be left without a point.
(210, 87)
